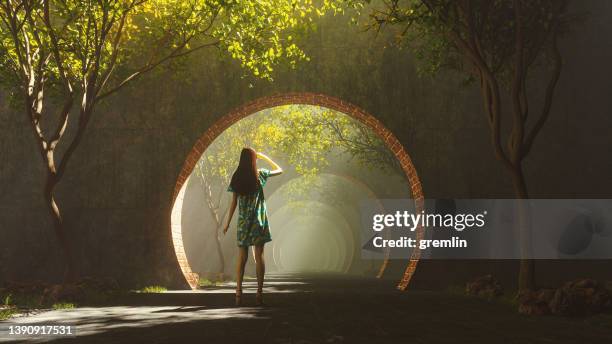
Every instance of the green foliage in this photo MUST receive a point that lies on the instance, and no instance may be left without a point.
(81, 51)
(303, 136)
(204, 282)
(298, 133)
(27, 300)
(360, 142)
(7, 309)
(288, 131)
(63, 305)
(11, 303)
(102, 44)
(21, 298)
(7, 312)
(153, 289)
(441, 33)
(7, 300)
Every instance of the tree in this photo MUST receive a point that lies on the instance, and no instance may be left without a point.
(61, 58)
(361, 143)
(499, 44)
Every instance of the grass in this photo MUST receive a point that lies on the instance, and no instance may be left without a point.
(7, 312)
(12, 304)
(153, 289)
(7, 309)
(63, 305)
(205, 282)
(7, 300)
(28, 301)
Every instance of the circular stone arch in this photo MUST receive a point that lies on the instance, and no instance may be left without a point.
(303, 98)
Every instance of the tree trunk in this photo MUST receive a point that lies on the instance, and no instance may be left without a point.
(527, 266)
(218, 221)
(219, 251)
(34, 105)
(58, 226)
(385, 263)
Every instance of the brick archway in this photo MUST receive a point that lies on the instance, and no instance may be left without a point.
(288, 99)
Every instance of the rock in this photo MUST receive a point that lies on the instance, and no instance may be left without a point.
(581, 298)
(545, 295)
(601, 301)
(484, 286)
(569, 302)
(535, 302)
(575, 298)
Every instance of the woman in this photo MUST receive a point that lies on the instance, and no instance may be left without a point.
(253, 229)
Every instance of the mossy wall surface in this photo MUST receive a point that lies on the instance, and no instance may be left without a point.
(117, 192)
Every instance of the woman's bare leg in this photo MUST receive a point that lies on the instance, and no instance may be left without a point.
(243, 255)
(260, 268)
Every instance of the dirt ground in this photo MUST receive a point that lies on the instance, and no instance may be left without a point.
(318, 309)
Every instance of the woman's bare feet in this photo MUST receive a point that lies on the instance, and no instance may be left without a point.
(259, 298)
(238, 297)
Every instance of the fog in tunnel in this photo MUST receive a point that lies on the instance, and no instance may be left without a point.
(325, 228)
(310, 245)
(331, 163)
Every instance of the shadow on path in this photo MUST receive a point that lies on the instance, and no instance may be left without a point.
(319, 309)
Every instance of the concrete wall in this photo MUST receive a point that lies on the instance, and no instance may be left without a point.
(116, 195)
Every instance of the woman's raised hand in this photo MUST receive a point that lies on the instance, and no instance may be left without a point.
(276, 170)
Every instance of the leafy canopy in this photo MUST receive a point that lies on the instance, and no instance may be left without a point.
(443, 33)
(305, 138)
(105, 43)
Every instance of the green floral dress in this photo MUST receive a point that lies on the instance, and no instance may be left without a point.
(253, 227)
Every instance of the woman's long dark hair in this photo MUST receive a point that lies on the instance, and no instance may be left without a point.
(245, 180)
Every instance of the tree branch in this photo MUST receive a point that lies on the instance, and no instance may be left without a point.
(550, 89)
(516, 137)
(174, 54)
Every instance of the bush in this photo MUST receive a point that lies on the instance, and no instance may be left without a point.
(205, 282)
(7, 312)
(153, 289)
(6, 308)
(63, 305)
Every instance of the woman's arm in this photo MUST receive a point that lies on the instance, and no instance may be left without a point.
(276, 170)
(231, 212)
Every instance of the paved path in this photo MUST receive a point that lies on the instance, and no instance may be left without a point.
(321, 309)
